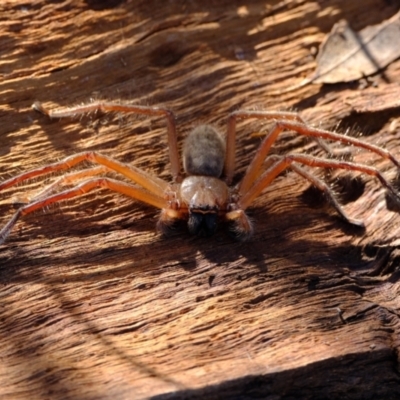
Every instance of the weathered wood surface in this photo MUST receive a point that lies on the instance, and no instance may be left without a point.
(96, 305)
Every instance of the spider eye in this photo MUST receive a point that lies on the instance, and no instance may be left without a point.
(202, 224)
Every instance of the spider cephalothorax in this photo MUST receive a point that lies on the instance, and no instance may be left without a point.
(202, 196)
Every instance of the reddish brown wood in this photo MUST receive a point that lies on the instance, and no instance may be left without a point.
(96, 305)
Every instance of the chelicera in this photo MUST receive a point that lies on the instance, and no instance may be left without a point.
(202, 195)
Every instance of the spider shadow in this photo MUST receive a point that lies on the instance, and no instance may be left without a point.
(180, 250)
(273, 239)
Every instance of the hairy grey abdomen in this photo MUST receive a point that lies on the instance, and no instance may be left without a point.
(204, 152)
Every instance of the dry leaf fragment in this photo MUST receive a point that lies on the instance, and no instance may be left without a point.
(346, 55)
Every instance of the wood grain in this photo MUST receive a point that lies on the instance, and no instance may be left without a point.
(96, 305)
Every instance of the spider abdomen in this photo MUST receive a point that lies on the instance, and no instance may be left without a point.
(204, 152)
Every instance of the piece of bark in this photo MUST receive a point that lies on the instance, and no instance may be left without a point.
(96, 305)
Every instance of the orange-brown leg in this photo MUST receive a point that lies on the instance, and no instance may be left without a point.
(284, 121)
(153, 184)
(85, 187)
(269, 115)
(328, 193)
(229, 166)
(285, 162)
(253, 170)
(242, 227)
(69, 179)
(100, 106)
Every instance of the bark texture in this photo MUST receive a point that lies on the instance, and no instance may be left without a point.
(96, 305)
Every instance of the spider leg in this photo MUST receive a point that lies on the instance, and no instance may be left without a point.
(231, 133)
(268, 115)
(151, 183)
(285, 162)
(85, 187)
(242, 228)
(254, 167)
(324, 188)
(68, 179)
(121, 108)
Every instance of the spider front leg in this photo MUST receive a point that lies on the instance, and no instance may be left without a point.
(154, 193)
(99, 106)
(229, 166)
(68, 179)
(254, 167)
(268, 115)
(287, 161)
(156, 200)
(280, 126)
(151, 183)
